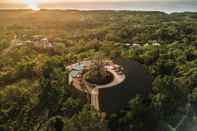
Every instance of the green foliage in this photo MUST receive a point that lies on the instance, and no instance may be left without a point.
(168, 97)
(86, 120)
(139, 115)
(4, 43)
(16, 104)
(34, 95)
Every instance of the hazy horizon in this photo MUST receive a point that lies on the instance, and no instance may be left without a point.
(142, 5)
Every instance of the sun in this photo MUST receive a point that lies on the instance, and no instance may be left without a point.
(35, 9)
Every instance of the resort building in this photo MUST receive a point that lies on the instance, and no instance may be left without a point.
(129, 79)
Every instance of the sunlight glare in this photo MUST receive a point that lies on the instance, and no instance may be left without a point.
(33, 4)
(35, 9)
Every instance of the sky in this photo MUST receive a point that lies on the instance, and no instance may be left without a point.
(52, 1)
(148, 5)
(80, 1)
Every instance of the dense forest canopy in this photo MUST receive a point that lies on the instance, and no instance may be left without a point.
(35, 48)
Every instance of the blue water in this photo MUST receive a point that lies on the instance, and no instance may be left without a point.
(168, 7)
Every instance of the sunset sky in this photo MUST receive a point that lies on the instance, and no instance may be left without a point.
(156, 5)
(52, 1)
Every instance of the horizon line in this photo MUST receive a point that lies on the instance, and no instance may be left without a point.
(62, 9)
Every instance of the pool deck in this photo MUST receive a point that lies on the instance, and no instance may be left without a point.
(79, 82)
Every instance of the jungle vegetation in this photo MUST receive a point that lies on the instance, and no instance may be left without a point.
(35, 47)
